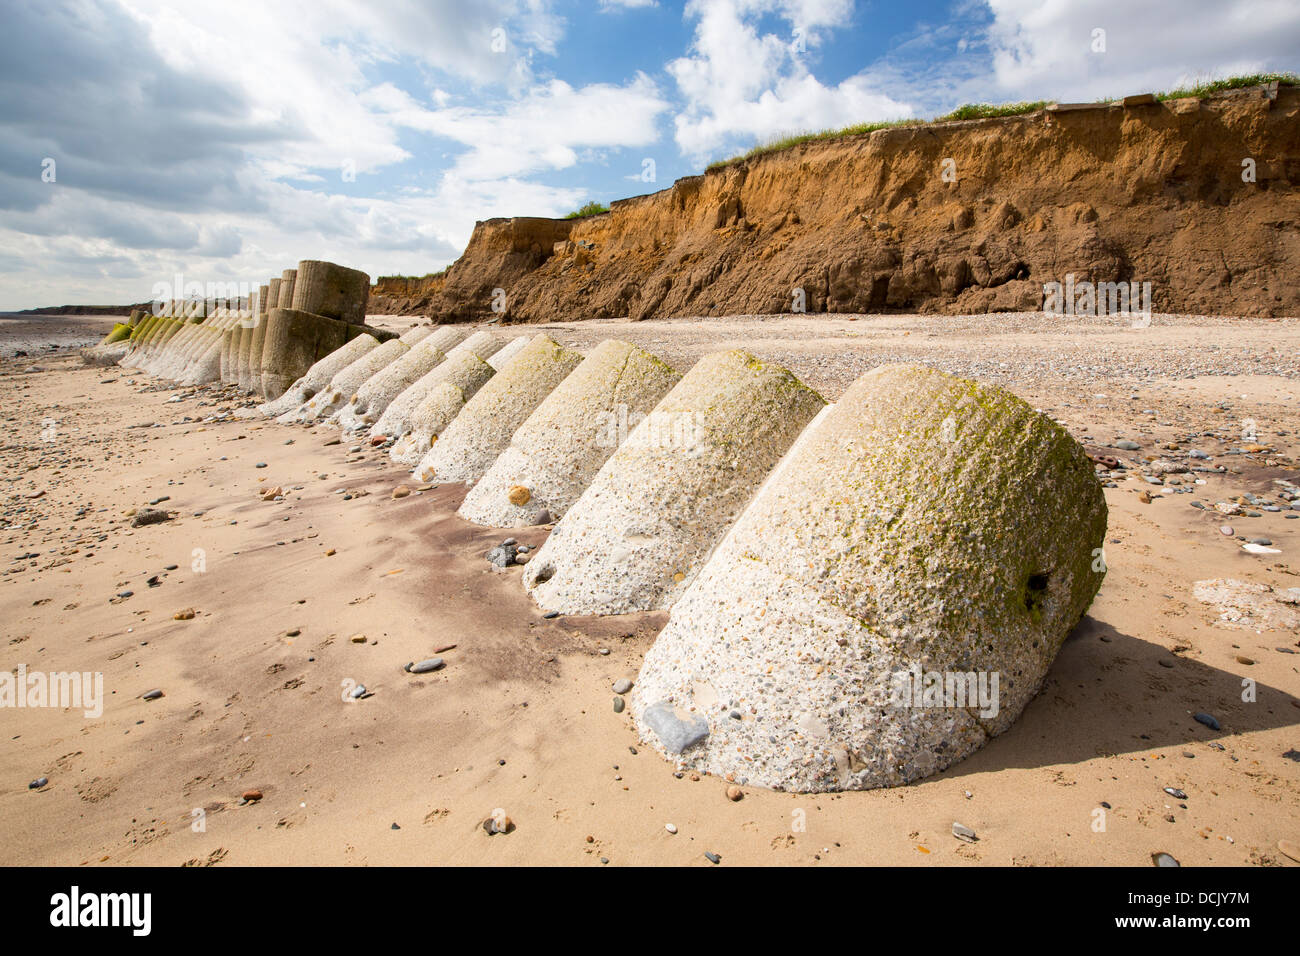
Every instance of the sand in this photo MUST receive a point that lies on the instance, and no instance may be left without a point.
(521, 717)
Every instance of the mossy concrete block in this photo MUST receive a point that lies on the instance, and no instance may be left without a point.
(396, 419)
(893, 597)
(324, 288)
(642, 530)
(345, 383)
(294, 341)
(556, 453)
(319, 375)
(120, 332)
(450, 386)
(482, 431)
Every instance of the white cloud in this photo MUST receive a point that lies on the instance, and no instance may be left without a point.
(541, 130)
(740, 85)
(1045, 50)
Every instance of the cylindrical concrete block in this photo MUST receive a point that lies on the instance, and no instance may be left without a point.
(325, 288)
(319, 375)
(893, 597)
(293, 342)
(287, 279)
(556, 453)
(642, 530)
(272, 295)
(481, 432)
(263, 300)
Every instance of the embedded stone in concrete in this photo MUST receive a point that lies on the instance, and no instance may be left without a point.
(556, 453)
(482, 430)
(319, 375)
(454, 383)
(324, 288)
(294, 341)
(678, 730)
(373, 396)
(344, 384)
(642, 530)
(396, 419)
(892, 598)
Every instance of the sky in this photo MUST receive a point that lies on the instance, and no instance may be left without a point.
(224, 141)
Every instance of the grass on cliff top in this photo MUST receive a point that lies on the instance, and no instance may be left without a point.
(428, 275)
(590, 209)
(971, 111)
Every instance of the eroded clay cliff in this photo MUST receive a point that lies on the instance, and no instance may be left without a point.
(1158, 192)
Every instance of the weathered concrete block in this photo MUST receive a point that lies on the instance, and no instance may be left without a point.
(482, 430)
(557, 451)
(324, 288)
(642, 530)
(319, 375)
(893, 596)
(396, 419)
(294, 341)
(454, 383)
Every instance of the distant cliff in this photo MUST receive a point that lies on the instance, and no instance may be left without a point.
(869, 223)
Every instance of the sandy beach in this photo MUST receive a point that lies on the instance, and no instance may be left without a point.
(297, 601)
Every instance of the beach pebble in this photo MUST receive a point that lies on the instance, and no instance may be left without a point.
(964, 833)
(1164, 859)
(151, 694)
(1226, 529)
(670, 828)
(734, 793)
(1207, 719)
(357, 692)
(185, 615)
(1127, 445)
(424, 666)
(622, 686)
(38, 783)
(712, 857)
(619, 704)
(252, 795)
(498, 822)
(1175, 793)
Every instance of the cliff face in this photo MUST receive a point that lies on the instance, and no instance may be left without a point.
(1150, 193)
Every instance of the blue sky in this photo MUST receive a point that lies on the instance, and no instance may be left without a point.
(228, 141)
